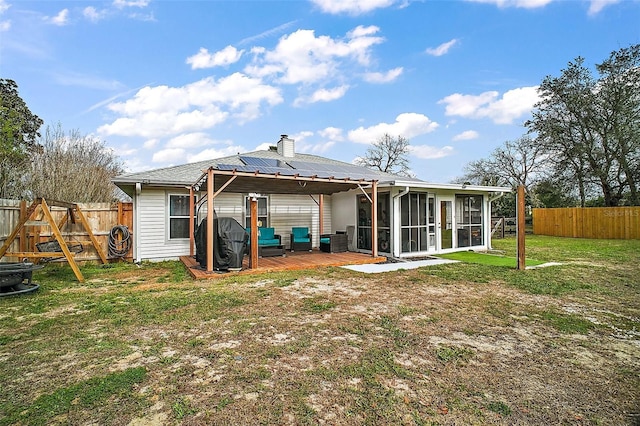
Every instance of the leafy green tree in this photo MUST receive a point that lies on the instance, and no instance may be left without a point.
(388, 154)
(590, 127)
(19, 130)
(551, 194)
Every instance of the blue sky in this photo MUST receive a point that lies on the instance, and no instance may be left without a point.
(170, 82)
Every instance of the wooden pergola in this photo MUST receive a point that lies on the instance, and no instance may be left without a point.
(216, 181)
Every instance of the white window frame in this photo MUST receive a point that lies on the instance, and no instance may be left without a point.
(170, 217)
(247, 212)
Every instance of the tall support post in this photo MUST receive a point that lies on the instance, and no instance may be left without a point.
(210, 220)
(321, 214)
(374, 218)
(253, 238)
(192, 213)
(520, 219)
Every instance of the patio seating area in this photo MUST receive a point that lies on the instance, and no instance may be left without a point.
(292, 261)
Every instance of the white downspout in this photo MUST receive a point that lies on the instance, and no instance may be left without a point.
(136, 223)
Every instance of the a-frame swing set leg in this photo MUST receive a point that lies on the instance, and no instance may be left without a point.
(55, 229)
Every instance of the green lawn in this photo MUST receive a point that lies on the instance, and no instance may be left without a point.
(461, 343)
(488, 259)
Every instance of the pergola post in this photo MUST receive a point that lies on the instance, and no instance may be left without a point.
(210, 220)
(253, 254)
(321, 214)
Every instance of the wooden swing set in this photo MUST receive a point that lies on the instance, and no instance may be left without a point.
(56, 247)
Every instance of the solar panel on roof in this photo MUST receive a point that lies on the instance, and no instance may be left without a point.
(257, 169)
(338, 171)
(237, 167)
(264, 162)
(302, 168)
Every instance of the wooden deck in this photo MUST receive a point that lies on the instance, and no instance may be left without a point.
(291, 261)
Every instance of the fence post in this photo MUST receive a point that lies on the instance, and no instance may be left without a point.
(23, 232)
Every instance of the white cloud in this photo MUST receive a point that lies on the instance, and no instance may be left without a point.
(443, 48)
(318, 148)
(120, 4)
(150, 143)
(61, 19)
(170, 155)
(301, 57)
(466, 135)
(164, 111)
(597, 5)
(204, 59)
(513, 104)
(426, 152)
(314, 147)
(93, 14)
(407, 125)
(125, 151)
(378, 77)
(190, 140)
(5, 25)
(212, 153)
(524, 4)
(300, 136)
(4, 6)
(332, 133)
(263, 146)
(323, 95)
(352, 7)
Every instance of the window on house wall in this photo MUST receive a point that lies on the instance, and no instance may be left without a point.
(469, 220)
(364, 222)
(179, 216)
(263, 212)
(384, 222)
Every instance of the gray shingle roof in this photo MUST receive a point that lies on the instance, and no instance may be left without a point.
(187, 174)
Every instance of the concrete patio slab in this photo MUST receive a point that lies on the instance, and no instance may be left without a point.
(388, 267)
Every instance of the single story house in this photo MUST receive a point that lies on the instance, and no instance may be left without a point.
(382, 213)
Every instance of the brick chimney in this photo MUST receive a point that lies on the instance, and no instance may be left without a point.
(286, 146)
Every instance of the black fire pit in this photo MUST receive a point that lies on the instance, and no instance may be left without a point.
(15, 278)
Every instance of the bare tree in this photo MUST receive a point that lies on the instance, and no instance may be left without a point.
(387, 154)
(519, 162)
(73, 168)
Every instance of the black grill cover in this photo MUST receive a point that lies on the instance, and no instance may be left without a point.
(230, 240)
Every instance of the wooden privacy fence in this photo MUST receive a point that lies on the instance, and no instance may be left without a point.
(102, 217)
(622, 223)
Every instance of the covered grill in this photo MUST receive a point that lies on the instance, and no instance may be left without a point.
(230, 240)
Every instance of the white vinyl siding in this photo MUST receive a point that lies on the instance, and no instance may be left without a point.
(152, 238)
(288, 211)
(226, 205)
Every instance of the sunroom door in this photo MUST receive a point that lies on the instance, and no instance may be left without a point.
(445, 223)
